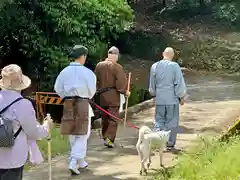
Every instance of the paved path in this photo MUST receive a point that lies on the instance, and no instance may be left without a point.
(214, 103)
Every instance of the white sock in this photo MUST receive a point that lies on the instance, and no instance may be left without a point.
(73, 166)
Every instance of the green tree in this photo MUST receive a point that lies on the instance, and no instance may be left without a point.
(42, 31)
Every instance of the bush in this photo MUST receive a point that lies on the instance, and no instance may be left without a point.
(138, 95)
(38, 34)
(135, 96)
(228, 13)
(144, 45)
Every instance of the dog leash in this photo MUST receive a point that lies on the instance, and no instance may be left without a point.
(108, 113)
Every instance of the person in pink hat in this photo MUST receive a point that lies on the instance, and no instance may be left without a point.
(19, 128)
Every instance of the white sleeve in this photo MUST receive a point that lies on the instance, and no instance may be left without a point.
(59, 85)
(29, 123)
(91, 84)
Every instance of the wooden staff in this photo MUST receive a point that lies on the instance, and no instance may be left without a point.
(126, 107)
(49, 119)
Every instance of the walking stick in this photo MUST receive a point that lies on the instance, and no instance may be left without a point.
(126, 107)
(49, 119)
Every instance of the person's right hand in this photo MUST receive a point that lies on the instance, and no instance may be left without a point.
(49, 123)
(128, 93)
(182, 101)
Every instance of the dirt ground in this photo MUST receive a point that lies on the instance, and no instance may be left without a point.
(213, 105)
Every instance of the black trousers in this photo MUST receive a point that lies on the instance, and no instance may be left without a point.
(11, 174)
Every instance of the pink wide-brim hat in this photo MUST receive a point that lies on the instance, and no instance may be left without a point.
(13, 78)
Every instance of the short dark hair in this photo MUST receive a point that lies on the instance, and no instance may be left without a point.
(77, 51)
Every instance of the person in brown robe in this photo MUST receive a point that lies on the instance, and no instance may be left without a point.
(111, 81)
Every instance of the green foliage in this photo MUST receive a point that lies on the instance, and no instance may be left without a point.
(144, 45)
(135, 96)
(210, 159)
(221, 11)
(228, 12)
(138, 95)
(43, 31)
(210, 55)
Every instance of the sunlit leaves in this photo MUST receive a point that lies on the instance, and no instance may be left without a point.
(44, 30)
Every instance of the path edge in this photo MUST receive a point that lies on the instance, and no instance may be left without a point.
(138, 108)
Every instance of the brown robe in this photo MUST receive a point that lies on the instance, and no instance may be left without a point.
(110, 75)
(75, 117)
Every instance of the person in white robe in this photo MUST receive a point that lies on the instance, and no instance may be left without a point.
(76, 80)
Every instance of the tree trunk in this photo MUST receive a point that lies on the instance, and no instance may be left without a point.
(164, 3)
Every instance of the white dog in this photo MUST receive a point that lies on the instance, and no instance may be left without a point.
(145, 137)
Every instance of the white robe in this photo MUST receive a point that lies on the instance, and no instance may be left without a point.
(122, 102)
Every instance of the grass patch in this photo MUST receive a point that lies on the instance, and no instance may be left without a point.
(210, 159)
(60, 146)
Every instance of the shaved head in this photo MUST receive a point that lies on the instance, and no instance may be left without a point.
(168, 53)
(113, 50)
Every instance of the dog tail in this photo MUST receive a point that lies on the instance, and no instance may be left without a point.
(143, 130)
